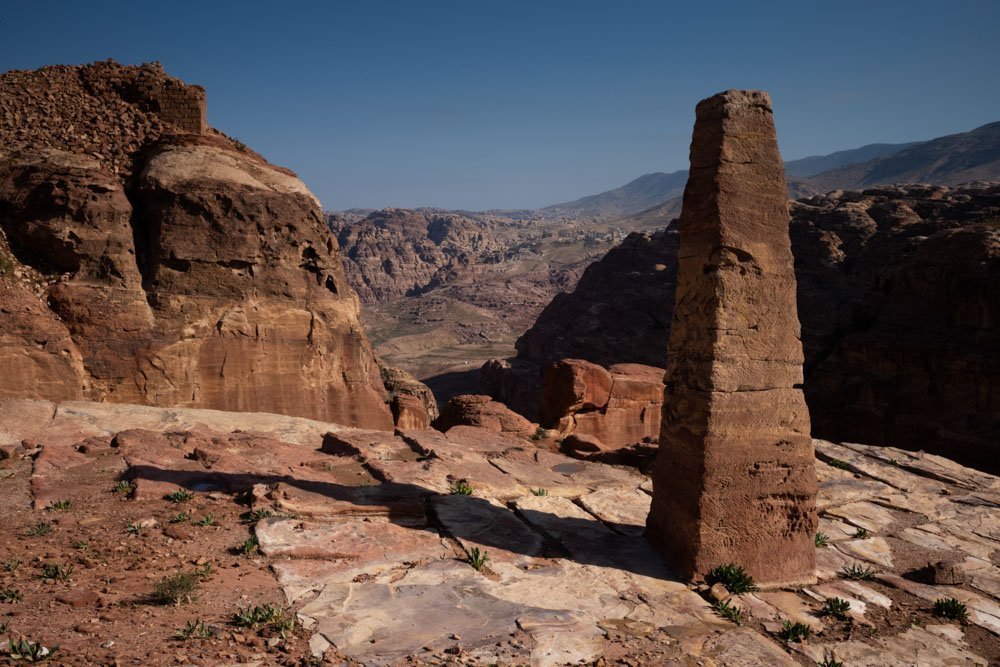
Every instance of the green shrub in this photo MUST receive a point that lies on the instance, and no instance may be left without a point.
(951, 609)
(176, 588)
(733, 577)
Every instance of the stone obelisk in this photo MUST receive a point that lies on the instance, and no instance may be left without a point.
(735, 479)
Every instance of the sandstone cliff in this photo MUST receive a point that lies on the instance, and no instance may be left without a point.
(146, 258)
(897, 295)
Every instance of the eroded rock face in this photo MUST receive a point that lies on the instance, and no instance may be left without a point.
(207, 278)
(734, 480)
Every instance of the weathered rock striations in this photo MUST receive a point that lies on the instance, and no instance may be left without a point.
(734, 480)
(200, 276)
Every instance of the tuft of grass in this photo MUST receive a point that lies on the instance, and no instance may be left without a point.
(266, 615)
(821, 540)
(951, 609)
(180, 517)
(207, 520)
(81, 545)
(733, 577)
(836, 607)
(477, 559)
(857, 572)
(539, 492)
(249, 546)
(728, 611)
(56, 571)
(253, 516)
(176, 588)
(794, 632)
(133, 529)
(830, 661)
(837, 463)
(61, 505)
(12, 565)
(861, 533)
(195, 629)
(180, 496)
(40, 529)
(29, 651)
(124, 486)
(461, 488)
(10, 595)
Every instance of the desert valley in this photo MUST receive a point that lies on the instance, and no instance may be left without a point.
(742, 414)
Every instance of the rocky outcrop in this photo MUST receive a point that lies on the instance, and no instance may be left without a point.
(484, 412)
(207, 278)
(892, 311)
(598, 410)
(734, 479)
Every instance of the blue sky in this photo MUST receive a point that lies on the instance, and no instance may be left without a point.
(501, 104)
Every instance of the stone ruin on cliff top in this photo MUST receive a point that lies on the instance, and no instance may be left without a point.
(734, 480)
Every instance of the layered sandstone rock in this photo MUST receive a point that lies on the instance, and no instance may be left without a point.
(734, 480)
(599, 410)
(206, 278)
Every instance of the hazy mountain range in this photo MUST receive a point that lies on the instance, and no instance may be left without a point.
(947, 160)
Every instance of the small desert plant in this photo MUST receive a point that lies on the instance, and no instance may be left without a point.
(10, 595)
(861, 533)
(477, 559)
(6, 266)
(29, 651)
(180, 517)
(733, 577)
(794, 632)
(3, 627)
(194, 630)
(539, 492)
(728, 611)
(830, 661)
(205, 571)
(461, 488)
(207, 520)
(249, 546)
(858, 572)
(837, 463)
(81, 545)
(176, 588)
(123, 486)
(539, 434)
(821, 540)
(40, 529)
(836, 607)
(263, 615)
(133, 529)
(61, 505)
(253, 516)
(56, 571)
(951, 609)
(180, 496)
(12, 565)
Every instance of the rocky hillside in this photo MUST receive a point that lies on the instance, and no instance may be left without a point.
(397, 252)
(948, 160)
(146, 258)
(897, 294)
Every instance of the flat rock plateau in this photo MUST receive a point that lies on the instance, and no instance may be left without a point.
(365, 538)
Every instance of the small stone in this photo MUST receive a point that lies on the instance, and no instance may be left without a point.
(719, 593)
(947, 572)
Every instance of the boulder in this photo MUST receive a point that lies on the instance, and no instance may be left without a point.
(484, 412)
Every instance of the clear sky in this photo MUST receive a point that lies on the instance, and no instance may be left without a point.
(502, 104)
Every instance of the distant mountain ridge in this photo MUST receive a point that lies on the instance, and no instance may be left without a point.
(947, 160)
